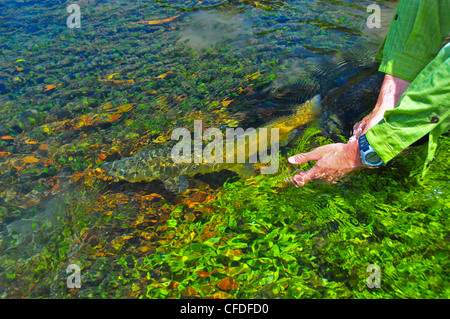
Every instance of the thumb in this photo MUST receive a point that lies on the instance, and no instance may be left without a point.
(358, 128)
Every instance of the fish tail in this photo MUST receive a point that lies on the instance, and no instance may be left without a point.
(314, 106)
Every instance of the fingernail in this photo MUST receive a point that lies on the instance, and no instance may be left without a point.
(291, 159)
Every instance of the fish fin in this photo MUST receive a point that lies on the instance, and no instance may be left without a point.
(315, 105)
(332, 126)
(289, 138)
(245, 170)
(177, 184)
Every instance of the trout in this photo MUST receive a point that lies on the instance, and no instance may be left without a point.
(158, 163)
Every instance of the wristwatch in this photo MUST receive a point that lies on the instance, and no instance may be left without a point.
(368, 154)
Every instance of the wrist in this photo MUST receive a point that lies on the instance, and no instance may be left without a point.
(368, 155)
(355, 153)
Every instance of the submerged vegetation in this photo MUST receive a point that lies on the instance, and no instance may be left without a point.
(314, 242)
(255, 238)
(74, 99)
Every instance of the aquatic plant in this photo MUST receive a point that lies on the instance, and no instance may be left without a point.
(313, 242)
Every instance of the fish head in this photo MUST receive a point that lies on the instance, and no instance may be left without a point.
(143, 166)
(125, 169)
(115, 170)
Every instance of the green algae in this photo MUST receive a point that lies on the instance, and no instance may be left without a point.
(274, 242)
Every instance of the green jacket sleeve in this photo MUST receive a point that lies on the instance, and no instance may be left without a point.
(423, 108)
(415, 35)
(412, 51)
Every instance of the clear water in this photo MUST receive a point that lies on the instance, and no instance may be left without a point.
(73, 98)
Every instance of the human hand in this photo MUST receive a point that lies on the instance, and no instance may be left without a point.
(366, 123)
(332, 162)
(337, 160)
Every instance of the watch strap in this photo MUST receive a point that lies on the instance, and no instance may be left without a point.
(365, 148)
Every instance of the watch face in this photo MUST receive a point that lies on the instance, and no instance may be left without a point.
(373, 158)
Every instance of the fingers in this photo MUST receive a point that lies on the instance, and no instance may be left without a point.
(358, 128)
(302, 158)
(303, 177)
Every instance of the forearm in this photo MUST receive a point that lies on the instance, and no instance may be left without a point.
(390, 94)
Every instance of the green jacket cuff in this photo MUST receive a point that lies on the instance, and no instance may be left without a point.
(384, 140)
